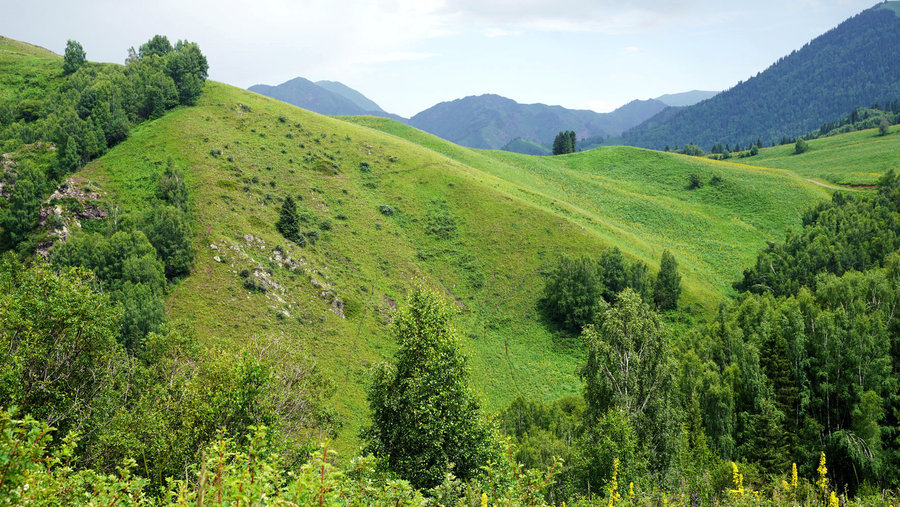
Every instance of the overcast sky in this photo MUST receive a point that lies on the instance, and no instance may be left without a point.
(408, 55)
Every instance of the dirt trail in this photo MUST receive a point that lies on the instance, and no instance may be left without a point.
(826, 185)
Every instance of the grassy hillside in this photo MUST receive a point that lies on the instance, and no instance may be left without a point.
(638, 200)
(478, 225)
(855, 158)
(27, 70)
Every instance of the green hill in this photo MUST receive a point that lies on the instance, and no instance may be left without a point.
(389, 202)
(855, 158)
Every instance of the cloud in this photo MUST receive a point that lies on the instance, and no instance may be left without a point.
(396, 56)
(498, 32)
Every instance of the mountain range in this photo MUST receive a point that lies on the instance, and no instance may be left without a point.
(485, 121)
(853, 65)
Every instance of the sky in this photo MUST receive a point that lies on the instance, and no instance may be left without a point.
(408, 55)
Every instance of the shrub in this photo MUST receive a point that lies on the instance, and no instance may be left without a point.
(364, 167)
(801, 146)
(883, 126)
(572, 293)
(386, 210)
(694, 181)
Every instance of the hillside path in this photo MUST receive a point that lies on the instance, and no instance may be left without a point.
(826, 185)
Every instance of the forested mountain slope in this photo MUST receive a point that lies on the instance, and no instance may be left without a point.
(851, 65)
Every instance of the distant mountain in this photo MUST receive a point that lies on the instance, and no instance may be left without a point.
(854, 64)
(685, 98)
(492, 121)
(350, 94)
(323, 97)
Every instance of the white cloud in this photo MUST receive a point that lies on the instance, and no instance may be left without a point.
(498, 32)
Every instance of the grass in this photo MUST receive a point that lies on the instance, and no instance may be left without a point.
(28, 71)
(509, 215)
(855, 158)
(477, 225)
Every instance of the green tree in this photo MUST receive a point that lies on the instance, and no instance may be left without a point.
(74, 57)
(564, 142)
(58, 350)
(425, 419)
(70, 155)
(169, 231)
(883, 126)
(573, 291)
(667, 288)
(24, 203)
(612, 273)
(801, 146)
(629, 369)
(288, 223)
(159, 45)
(188, 68)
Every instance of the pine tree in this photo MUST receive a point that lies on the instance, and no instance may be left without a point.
(288, 223)
(667, 288)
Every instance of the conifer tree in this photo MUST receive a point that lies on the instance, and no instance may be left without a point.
(668, 283)
(288, 223)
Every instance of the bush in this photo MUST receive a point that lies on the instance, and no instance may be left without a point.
(883, 126)
(386, 210)
(364, 167)
(801, 146)
(694, 181)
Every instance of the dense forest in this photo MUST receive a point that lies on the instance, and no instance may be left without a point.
(786, 393)
(851, 65)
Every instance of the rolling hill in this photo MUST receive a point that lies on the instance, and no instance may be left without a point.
(389, 202)
(492, 121)
(851, 65)
(685, 98)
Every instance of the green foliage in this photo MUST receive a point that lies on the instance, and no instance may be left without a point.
(21, 213)
(572, 293)
(629, 371)
(795, 94)
(425, 419)
(58, 352)
(695, 181)
(564, 143)
(74, 57)
(158, 45)
(801, 146)
(288, 223)
(883, 126)
(667, 288)
(849, 233)
(169, 231)
(172, 188)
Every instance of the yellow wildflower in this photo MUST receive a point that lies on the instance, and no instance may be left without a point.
(793, 476)
(614, 484)
(484, 500)
(738, 480)
(833, 500)
(823, 471)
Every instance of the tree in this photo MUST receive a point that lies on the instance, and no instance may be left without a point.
(667, 288)
(23, 205)
(74, 57)
(572, 293)
(70, 155)
(425, 419)
(564, 142)
(612, 272)
(883, 126)
(169, 231)
(629, 369)
(187, 66)
(801, 146)
(159, 45)
(288, 223)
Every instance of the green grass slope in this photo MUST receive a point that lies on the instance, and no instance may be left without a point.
(638, 200)
(478, 225)
(485, 252)
(855, 158)
(27, 71)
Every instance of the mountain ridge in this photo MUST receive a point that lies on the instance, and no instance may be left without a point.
(848, 66)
